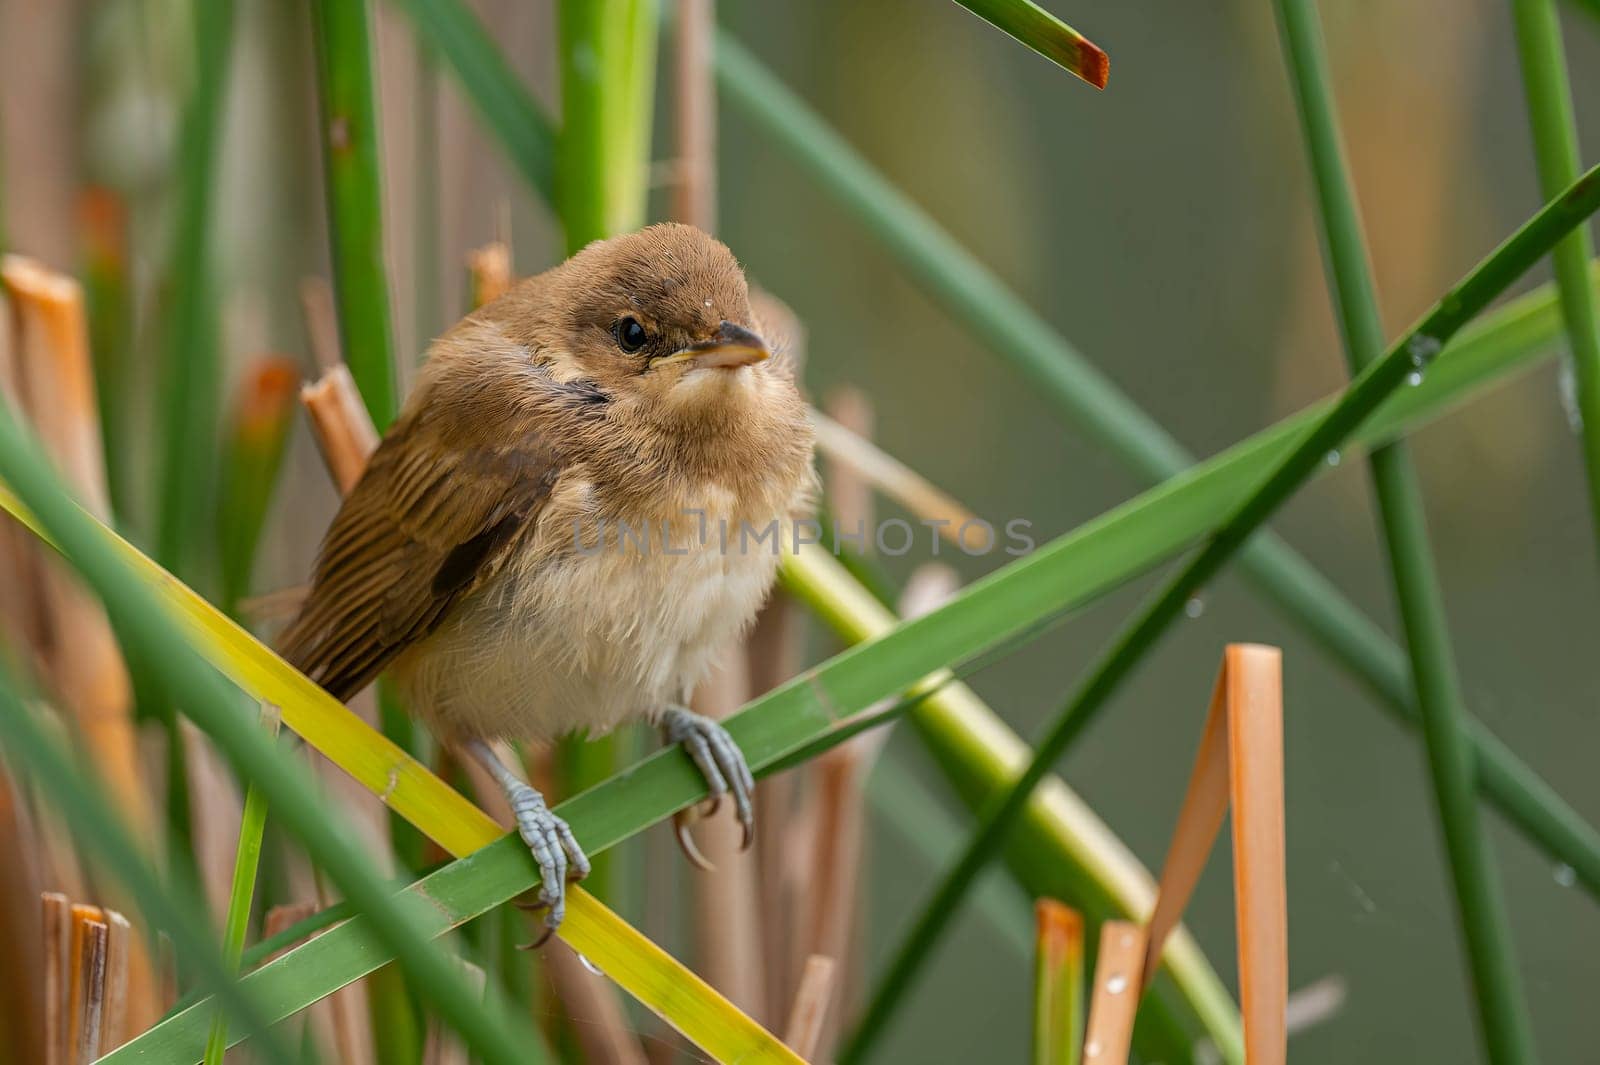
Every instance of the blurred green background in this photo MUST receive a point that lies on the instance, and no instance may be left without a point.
(1165, 227)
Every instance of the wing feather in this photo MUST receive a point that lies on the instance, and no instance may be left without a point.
(438, 510)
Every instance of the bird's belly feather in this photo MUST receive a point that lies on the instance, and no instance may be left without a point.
(585, 642)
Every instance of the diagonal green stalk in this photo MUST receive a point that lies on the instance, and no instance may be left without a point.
(999, 319)
(1555, 142)
(1414, 352)
(1033, 26)
(1502, 1013)
(173, 906)
(1067, 574)
(355, 204)
(246, 862)
(492, 1030)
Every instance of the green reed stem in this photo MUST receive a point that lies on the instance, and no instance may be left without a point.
(1412, 352)
(1555, 143)
(1502, 1013)
(355, 202)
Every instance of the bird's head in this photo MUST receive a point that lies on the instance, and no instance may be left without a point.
(661, 316)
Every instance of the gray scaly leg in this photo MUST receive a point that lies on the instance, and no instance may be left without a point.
(552, 842)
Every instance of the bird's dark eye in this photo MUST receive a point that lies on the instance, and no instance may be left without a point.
(630, 335)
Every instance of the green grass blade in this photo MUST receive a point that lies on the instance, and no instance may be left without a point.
(1555, 142)
(190, 682)
(81, 799)
(1079, 567)
(1033, 26)
(355, 203)
(524, 132)
(1502, 1012)
(1414, 352)
(1000, 320)
(191, 368)
(246, 862)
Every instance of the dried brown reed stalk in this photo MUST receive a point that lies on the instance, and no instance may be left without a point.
(322, 322)
(847, 448)
(341, 425)
(215, 807)
(727, 912)
(442, 1046)
(489, 271)
(596, 1012)
(774, 652)
(85, 665)
(1114, 998)
(82, 661)
(694, 193)
(810, 1009)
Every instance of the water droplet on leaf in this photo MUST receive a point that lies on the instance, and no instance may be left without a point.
(1565, 875)
(1195, 606)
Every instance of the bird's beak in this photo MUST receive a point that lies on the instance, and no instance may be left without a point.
(731, 347)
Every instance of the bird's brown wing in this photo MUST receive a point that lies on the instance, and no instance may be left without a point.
(425, 525)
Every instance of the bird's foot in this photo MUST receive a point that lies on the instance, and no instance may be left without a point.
(554, 847)
(721, 763)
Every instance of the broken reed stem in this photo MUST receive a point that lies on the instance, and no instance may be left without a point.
(489, 272)
(341, 425)
(1057, 984)
(810, 1010)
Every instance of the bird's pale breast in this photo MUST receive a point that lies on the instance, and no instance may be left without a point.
(565, 640)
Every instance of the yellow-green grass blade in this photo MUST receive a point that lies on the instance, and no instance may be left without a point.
(450, 820)
(1083, 565)
(1033, 26)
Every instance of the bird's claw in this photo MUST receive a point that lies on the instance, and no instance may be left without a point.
(680, 827)
(555, 849)
(721, 763)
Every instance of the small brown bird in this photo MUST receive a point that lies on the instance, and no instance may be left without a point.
(583, 501)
